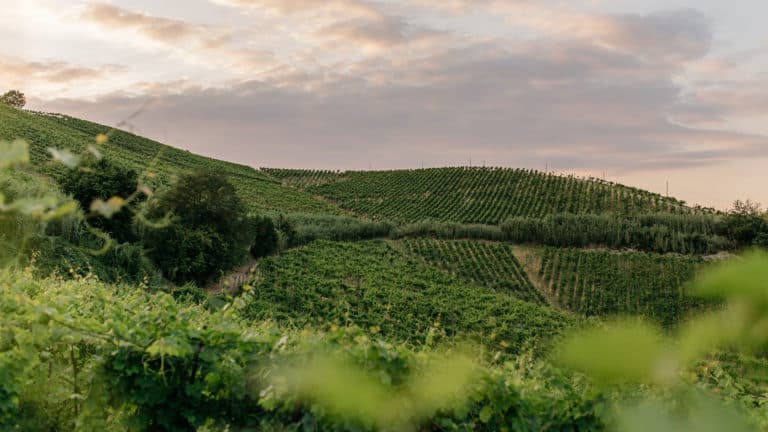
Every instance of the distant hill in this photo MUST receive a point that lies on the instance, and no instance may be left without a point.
(141, 154)
(471, 194)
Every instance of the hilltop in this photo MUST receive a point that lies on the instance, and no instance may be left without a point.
(58, 131)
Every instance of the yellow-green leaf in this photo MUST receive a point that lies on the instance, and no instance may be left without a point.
(13, 153)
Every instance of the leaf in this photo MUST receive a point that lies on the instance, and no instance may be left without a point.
(13, 153)
(108, 208)
(744, 278)
(169, 347)
(486, 413)
(630, 351)
(66, 157)
(95, 152)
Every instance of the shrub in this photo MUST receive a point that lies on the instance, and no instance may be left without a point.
(103, 180)
(210, 232)
(265, 241)
(14, 98)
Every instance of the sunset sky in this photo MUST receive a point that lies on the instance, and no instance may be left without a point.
(647, 91)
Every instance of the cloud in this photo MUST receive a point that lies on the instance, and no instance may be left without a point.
(19, 73)
(292, 7)
(575, 105)
(670, 36)
(211, 44)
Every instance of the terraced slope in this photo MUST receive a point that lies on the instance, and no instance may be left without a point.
(591, 282)
(42, 131)
(373, 284)
(490, 264)
(472, 195)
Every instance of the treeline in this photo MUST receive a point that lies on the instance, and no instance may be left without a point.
(661, 233)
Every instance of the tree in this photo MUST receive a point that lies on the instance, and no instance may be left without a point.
(265, 241)
(103, 180)
(210, 232)
(744, 223)
(14, 98)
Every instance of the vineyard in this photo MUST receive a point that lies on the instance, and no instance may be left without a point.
(371, 284)
(472, 195)
(608, 283)
(144, 155)
(490, 264)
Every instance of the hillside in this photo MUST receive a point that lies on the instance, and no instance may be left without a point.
(144, 155)
(372, 284)
(606, 283)
(472, 195)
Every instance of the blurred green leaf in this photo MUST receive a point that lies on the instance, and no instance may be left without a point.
(13, 153)
(627, 351)
(703, 414)
(742, 278)
(66, 157)
(107, 208)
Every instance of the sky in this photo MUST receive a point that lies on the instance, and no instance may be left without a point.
(644, 92)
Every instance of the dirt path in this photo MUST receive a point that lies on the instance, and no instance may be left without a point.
(531, 264)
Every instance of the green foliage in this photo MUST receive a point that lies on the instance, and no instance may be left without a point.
(102, 180)
(14, 99)
(663, 233)
(210, 232)
(450, 231)
(745, 224)
(309, 227)
(642, 353)
(604, 283)
(472, 195)
(372, 284)
(491, 264)
(266, 240)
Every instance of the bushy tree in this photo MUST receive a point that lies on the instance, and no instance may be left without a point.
(744, 223)
(210, 232)
(14, 98)
(265, 239)
(103, 180)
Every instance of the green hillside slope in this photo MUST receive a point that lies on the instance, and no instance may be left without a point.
(372, 284)
(43, 131)
(592, 282)
(471, 195)
(490, 264)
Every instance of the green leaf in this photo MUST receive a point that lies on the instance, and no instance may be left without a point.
(745, 278)
(486, 413)
(169, 347)
(66, 157)
(630, 351)
(107, 208)
(13, 153)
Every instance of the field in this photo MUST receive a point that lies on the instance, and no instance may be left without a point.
(372, 284)
(144, 155)
(471, 195)
(603, 283)
(485, 263)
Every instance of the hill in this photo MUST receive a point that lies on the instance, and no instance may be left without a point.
(472, 195)
(42, 131)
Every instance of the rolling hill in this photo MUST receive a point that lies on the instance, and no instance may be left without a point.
(144, 155)
(472, 195)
